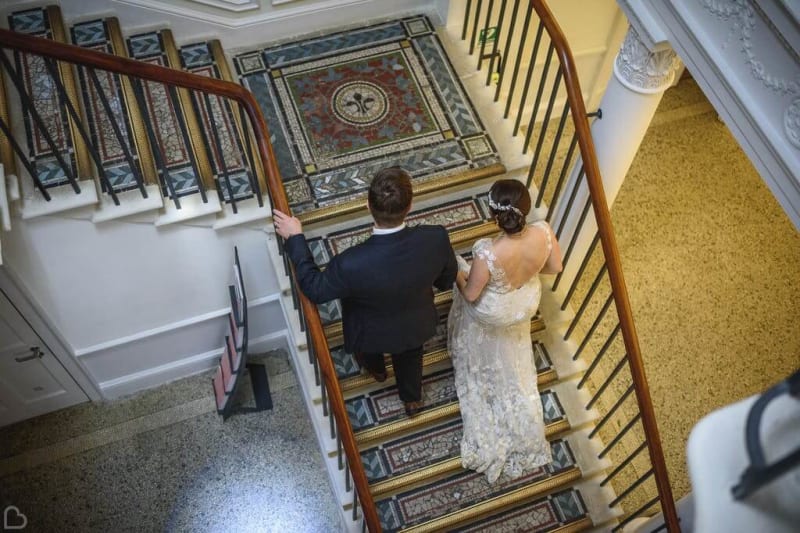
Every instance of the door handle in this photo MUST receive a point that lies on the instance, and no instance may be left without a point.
(36, 353)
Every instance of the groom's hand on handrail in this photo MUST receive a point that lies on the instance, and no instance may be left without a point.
(285, 225)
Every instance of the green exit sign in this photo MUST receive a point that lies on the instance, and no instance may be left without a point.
(487, 35)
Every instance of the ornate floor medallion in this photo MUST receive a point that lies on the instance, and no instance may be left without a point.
(342, 106)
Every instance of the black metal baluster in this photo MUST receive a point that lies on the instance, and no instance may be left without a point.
(347, 476)
(226, 178)
(595, 283)
(339, 453)
(330, 414)
(129, 158)
(495, 53)
(29, 164)
(603, 421)
(172, 93)
(584, 263)
(620, 467)
(576, 232)
(158, 155)
(538, 100)
(529, 76)
(27, 103)
(619, 436)
(545, 126)
(636, 513)
(570, 201)
(475, 27)
(507, 49)
(598, 357)
(489, 10)
(619, 366)
(597, 321)
(630, 489)
(67, 103)
(554, 200)
(517, 62)
(355, 505)
(466, 20)
(256, 187)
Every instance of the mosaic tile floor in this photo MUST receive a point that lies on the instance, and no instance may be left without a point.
(461, 490)
(342, 106)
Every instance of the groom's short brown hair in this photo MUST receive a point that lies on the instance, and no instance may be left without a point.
(390, 195)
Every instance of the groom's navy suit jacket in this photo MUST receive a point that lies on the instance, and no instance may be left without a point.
(385, 285)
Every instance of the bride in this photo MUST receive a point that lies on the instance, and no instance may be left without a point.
(490, 343)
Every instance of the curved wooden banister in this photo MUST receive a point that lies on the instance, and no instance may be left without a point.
(608, 241)
(178, 78)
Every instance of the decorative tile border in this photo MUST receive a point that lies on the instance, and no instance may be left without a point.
(342, 106)
(461, 490)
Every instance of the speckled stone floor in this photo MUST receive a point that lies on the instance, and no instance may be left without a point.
(179, 468)
(712, 264)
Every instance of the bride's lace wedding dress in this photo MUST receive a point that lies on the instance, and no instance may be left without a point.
(490, 345)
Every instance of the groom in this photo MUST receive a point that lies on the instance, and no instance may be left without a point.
(385, 283)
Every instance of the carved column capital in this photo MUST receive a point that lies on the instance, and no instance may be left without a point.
(641, 69)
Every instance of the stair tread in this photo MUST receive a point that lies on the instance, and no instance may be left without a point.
(377, 409)
(449, 500)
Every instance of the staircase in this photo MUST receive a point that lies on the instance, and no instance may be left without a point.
(124, 138)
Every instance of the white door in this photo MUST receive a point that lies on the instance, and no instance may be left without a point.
(32, 381)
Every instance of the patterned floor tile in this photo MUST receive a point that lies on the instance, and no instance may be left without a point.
(41, 88)
(461, 490)
(542, 515)
(341, 106)
(219, 127)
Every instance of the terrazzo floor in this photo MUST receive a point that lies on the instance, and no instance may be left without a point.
(177, 467)
(712, 264)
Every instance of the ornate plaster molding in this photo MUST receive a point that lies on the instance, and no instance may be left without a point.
(641, 69)
(742, 15)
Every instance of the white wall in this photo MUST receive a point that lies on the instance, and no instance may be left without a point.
(139, 305)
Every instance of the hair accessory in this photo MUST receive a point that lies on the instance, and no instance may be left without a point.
(498, 207)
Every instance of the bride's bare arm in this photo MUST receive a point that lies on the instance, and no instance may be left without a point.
(471, 286)
(553, 264)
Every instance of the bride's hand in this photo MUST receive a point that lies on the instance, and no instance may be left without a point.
(461, 280)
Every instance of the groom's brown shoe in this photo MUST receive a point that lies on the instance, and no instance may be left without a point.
(380, 377)
(413, 408)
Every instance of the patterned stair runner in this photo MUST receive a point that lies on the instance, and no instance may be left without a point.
(221, 130)
(175, 124)
(466, 488)
(342, 106)
(105, 36)
(47, 23)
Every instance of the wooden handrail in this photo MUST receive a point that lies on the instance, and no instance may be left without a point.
(608, 241)
(178, 78)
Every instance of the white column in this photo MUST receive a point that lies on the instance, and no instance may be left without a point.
(641, 76)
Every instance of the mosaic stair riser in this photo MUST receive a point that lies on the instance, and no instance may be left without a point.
(105, 36)
(47, 23)
(342, 106)
(383, 406)
(461, 490)
(429, 446)
(220, 124)
(175, 126)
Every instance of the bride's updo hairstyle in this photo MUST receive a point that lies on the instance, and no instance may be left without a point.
(510, 203)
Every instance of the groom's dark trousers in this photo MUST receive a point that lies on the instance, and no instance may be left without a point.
(385, 285)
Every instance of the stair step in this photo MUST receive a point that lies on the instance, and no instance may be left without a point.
(46, 22)
(562, 512)
(176, 126)
(123, 173)
(442, 457)
(351, 378)
(379, 414)
(221, 128)
(467, 495)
